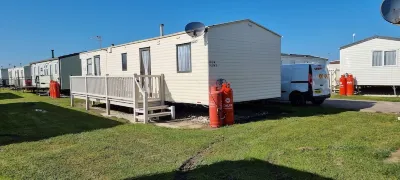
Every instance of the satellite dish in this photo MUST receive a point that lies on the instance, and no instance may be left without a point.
(195, 29)
(390, 10)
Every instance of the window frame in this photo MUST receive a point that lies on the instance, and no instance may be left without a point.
(55, 68)
(87, 66)
(126, 62)
(383, 58)
(177, 60)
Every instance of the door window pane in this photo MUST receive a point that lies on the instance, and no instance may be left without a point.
(124, 62)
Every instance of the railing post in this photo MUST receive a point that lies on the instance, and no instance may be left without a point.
(70, 91)
(107, 100)
(86, 92)
(162, 89)
(145, 107)
(135, 99)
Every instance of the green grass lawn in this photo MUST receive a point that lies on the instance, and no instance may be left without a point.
(306, 143)
(369, 98)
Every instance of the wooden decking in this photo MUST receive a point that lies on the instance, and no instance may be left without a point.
(144, 93)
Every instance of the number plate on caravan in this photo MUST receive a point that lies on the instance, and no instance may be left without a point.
(318, 91)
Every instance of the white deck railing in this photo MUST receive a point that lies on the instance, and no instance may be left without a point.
(131, 89)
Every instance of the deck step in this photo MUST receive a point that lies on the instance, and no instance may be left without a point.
(140, 110)
(155, 115)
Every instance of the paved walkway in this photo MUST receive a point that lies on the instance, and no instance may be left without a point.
(364, 106)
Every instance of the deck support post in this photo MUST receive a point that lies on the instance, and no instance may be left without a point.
(394, 90)
(70, 91)
(172, 109)
(86, 92)
(135, 98)
(162, 89)
(145, 108)
(107, 100)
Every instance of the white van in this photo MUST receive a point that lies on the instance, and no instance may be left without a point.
(305, 82)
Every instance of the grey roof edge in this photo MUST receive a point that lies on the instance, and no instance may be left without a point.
(303, 55)
(56, 58)
(368, 39)
(243, 20)
(179, 33)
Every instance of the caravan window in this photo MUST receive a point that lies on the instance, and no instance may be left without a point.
(390, 58)
(184, 59)
(377, 58)
(89, 66)
(55, 68)
(384, 58)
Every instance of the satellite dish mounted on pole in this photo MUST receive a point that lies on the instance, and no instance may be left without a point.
(195, 29)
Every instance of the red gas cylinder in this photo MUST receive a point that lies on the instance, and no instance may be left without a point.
(343, 85)
(215, 105)
(350, 85)
(57, 90)
(227, 104)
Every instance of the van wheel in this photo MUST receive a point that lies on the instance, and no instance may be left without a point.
(318, 102)
(297, 99)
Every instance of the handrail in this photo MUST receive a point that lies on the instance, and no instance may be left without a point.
(150, 76)
(138, 85)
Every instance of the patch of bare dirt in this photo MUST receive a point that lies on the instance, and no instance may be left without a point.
(394, 157)
(304, 149)
(193, 161)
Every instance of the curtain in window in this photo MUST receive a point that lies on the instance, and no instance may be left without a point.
(97, 70)
(390, 58)
(377, 58)
(184, 58)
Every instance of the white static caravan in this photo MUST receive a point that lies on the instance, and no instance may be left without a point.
(373, 61)
(302, 59)
(243, 53)
(18, 76)
(57, 69)
(4, 79)
(334, 74)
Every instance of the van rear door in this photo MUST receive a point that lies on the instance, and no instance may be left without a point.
(320, 80)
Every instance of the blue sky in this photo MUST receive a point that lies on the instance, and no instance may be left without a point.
(30, 29)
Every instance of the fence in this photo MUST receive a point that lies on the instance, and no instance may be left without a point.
(127, 90)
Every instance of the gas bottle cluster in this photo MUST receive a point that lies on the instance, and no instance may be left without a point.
(346, 85)
(221, 106)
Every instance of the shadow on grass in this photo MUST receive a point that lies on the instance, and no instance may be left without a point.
(244, 169)
(24, 122)
(4, 96)
(267, 110)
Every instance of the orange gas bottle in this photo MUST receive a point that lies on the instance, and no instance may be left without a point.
(350, 85)
(215, 105)
(343, 85)
(51, 89)
(227, 104)
(57, 90)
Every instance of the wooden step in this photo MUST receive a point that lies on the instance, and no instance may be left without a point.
(140, 110)
(155, 115)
